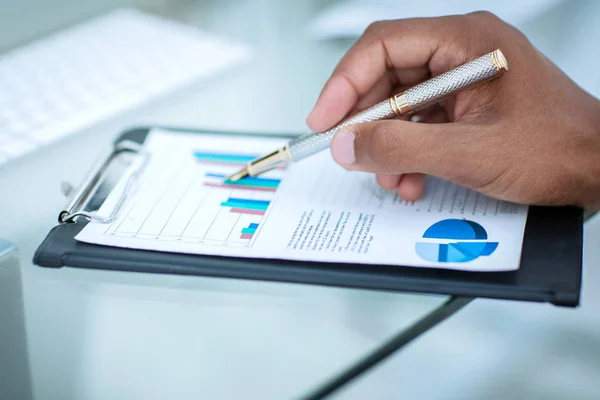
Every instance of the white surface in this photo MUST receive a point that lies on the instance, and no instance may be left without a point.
(350, 18)
(98, 69)
(99, 335)
(503, 350)
(319, 212)
(15, 380)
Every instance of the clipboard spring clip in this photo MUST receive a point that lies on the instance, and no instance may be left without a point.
(81, 199)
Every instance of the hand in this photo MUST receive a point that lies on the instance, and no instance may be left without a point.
(532, 136)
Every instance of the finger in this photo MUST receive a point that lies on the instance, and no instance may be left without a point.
(405, 44)
(433, 115)
(390, 85)
(388, 182)
(411, 76)
(380, 91)
(398, 147)
(412, 187)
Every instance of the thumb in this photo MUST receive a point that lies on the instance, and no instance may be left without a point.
(398, 147)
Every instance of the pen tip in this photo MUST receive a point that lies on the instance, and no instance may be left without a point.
(238, 175)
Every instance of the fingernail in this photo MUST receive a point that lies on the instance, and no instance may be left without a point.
(342, 148)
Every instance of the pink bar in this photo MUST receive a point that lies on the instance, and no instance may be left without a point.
(246, 236)
(240, 187)
(244, 211)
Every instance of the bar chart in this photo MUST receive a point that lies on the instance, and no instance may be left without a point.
(249, 231)
(196, 203)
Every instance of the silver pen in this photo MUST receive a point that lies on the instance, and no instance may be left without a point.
(432, 91)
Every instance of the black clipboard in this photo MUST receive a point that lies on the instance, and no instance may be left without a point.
(550, 269)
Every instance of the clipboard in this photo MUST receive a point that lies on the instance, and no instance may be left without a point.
(550, 269)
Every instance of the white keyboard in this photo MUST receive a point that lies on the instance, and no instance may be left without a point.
(78, 77)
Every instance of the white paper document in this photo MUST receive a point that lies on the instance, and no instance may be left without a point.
(312, 210)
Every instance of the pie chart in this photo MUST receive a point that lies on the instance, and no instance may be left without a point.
(455, 240)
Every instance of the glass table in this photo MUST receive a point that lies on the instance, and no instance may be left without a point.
(101, 334)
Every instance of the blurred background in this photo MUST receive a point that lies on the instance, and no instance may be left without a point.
(492, 349)
(564, 30)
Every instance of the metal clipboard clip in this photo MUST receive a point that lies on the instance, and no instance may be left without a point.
(93, 188)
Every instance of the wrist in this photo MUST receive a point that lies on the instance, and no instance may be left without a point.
(589, 197)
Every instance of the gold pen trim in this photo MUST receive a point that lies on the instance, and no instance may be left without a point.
(394, 106)
(499, 61)
(272, 160)
(238, 175)
(263, 164)
(399, 104)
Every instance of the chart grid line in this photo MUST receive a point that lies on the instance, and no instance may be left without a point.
(156, 203)
(192, 183)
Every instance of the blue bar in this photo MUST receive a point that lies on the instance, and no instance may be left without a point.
(253, 226)
(226, 158)
(255, 179)
(248, 181)
(248, 201)
(256, 182)
(247, 206)
(211, 175)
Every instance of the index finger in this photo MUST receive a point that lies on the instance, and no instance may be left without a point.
(403, 45)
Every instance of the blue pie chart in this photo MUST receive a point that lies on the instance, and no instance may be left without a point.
(456, 241)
